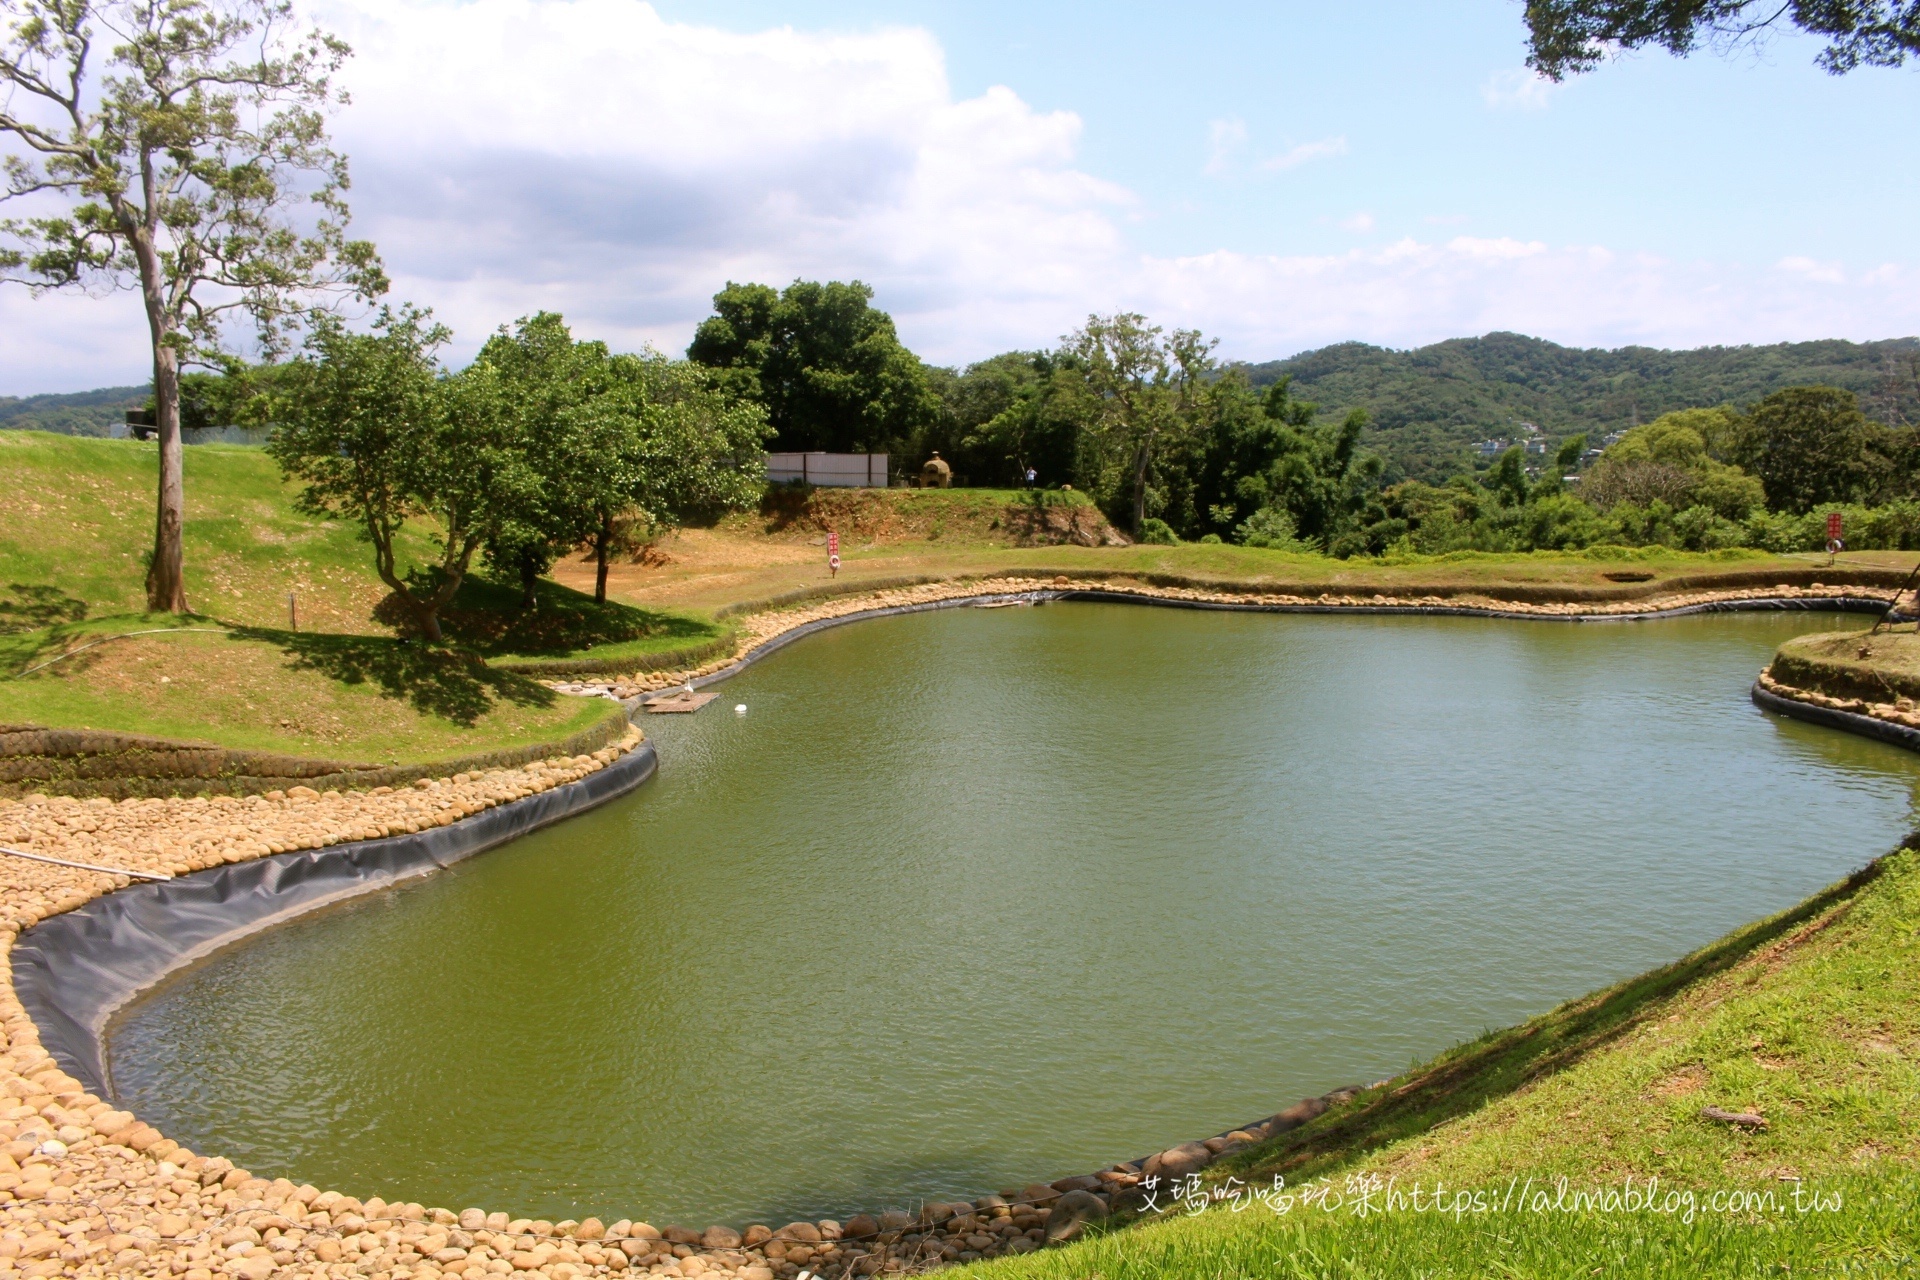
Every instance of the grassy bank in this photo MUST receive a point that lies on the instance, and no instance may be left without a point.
(361, 698)
(1807, 1019)
(1852, 664)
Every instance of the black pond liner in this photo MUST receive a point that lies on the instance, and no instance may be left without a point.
(1899, 735)
(73, 970)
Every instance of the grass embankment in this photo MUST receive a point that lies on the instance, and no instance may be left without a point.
(1808, 1019)
(359, 698)
(342, 687)
(1882, 668)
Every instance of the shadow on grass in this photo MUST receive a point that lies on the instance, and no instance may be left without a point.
(25, 607)
(448, 683)
(487, 618)
(1468, 1078)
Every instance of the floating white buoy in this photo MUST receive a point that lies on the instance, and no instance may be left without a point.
(739, 708)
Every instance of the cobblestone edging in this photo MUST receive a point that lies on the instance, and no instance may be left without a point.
(88, 1190)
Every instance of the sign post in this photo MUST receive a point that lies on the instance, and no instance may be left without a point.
(1834, 545)
(833, 554)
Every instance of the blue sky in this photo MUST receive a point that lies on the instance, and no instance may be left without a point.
(1758, 154)
(1281, 176)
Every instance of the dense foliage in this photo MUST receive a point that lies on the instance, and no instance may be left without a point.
(540, 446)
(1429, 406)
(827, 365)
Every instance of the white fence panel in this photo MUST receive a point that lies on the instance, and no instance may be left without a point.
(829, 470)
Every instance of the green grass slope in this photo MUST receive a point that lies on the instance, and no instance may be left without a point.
(72, 543)
(1809, 1020)
(81, 523)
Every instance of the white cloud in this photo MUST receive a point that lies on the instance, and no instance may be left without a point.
(1361, 221)
(1224, 139)
(1294, 157)
(1809, 269)
(1520, 90)
(591, 157)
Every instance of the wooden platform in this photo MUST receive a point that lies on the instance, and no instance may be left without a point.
(679, 703)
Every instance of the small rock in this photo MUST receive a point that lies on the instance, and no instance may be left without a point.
(720, 1238)
(1296, 1115)
(804, 1232)
(860, 1226)
(1086, 1182)
(1038, 1193)
(1178, 1162)
(757, 1234)
(680, 1235)
(1071, 1214)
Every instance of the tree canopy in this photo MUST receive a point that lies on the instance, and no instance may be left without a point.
(825, 362)
(1570, 36)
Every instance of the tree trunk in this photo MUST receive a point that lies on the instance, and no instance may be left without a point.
(529, 580)
(601, 541)
(1140, 459)
(429, 616)
(166, 582)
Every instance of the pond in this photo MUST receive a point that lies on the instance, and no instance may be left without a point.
(973, 898)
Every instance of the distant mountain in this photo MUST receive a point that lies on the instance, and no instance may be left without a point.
(1429, 406)
(82, 413)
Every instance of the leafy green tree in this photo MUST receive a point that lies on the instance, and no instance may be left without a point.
(1568, 455)
(1012, 412)
(620, 445)
(187, 141)
(1144, 386)
(1571, 36)
(672, 448)
(1808, 446)
(1677, 458)
(1507, 478)
(827, 365)
(543, 376)
(379, 436)
(1245, 437)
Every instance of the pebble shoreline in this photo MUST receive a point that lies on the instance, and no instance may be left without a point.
(87, 1190)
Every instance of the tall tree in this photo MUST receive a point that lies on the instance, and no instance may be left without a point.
(685, 450)
(827, 365)
(1809, 446)
(1145, 385)
(178, 147)
(1571, 36)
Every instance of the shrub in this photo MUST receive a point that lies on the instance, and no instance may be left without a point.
(1158, 532)
(1270, 527)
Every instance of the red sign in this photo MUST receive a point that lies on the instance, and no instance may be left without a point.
(833, 552)
(1833, 526)
(833, 539)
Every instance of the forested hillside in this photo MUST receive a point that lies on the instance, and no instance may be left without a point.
(1428, 406)
(82, 413)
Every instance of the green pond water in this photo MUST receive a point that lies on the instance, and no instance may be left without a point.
(974, 898)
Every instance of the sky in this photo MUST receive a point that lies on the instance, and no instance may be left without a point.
(1278, 175)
